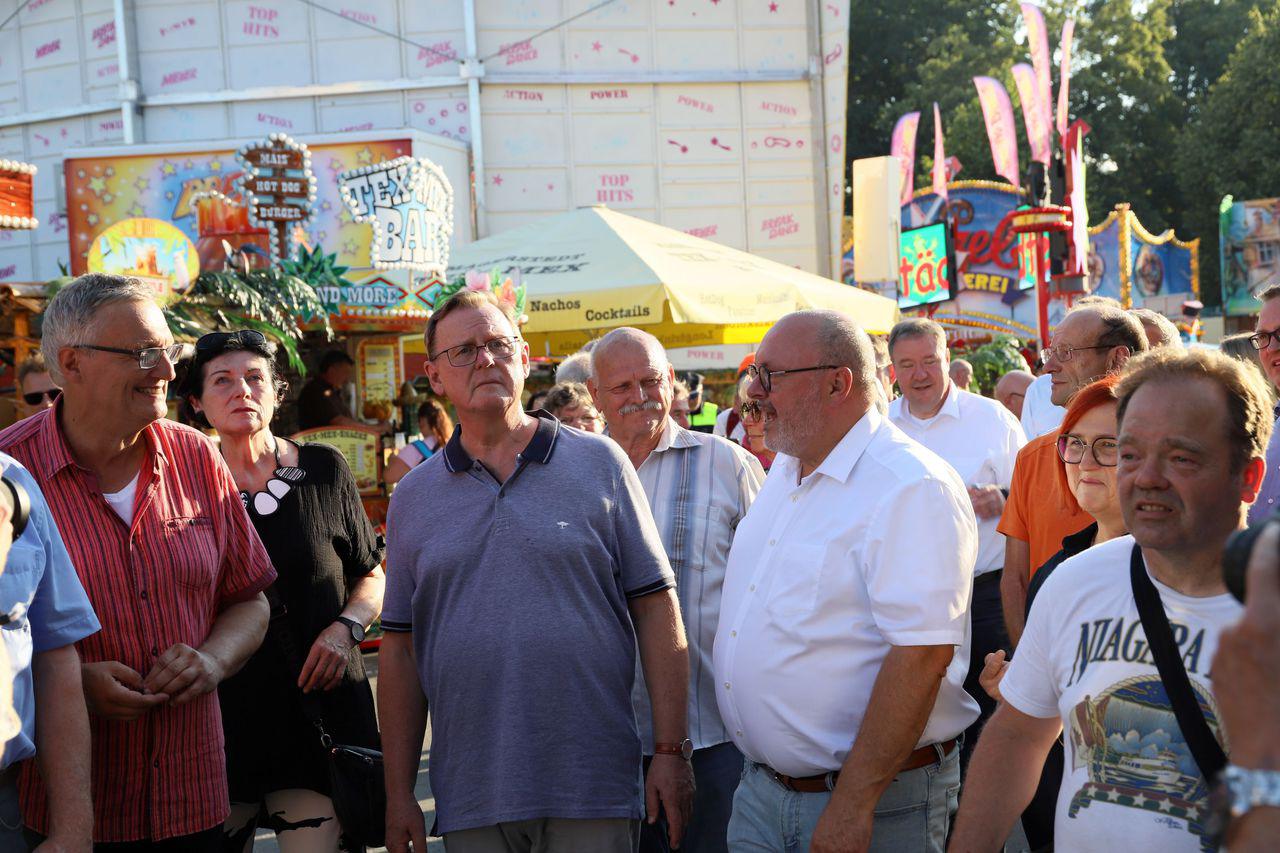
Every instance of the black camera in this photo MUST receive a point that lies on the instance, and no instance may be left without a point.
(15, 497)
(1235, 559)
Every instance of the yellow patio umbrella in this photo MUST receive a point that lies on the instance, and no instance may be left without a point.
(594, 269)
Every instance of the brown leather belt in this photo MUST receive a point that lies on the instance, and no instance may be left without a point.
(922, 757)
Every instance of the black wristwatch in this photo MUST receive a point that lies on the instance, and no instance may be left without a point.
(357, 630)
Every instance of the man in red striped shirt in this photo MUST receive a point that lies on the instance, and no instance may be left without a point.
(174, 570)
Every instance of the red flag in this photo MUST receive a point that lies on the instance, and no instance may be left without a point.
(1064, 75)
(903, 146)
(939, 156)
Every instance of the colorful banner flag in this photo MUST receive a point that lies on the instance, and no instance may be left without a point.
(939, 156)
(1038, 43)
(1034, 114)
(997, 110)
(903, 146)
(1064, 75)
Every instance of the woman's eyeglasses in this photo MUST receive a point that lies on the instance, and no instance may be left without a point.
(36, 397)
(1104, 449)
(750, 412)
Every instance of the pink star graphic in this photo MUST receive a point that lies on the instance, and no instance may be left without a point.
(497, 180)
(773, 7)
(597, 46)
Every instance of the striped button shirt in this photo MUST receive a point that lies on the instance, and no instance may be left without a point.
(190, 552)
(699, 487)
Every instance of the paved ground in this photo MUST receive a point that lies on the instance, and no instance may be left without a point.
(266, 841)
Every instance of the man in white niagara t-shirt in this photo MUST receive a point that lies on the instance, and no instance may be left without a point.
(1193, 428)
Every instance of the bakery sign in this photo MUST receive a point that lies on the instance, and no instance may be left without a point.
(409, 203)
(279, 189)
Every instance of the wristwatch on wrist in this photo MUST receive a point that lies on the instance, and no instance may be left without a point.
(357, 630)
(684, 749)
(1249, 789)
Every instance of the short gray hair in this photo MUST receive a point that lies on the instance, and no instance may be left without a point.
(843, 343)
(1168, 332)
(630, 335)
(70, 316)
(575, 368)
(916, 327)
(1269, 291)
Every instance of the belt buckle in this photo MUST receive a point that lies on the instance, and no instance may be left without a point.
(780, 779)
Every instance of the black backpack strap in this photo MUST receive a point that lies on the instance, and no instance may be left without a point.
(1177, 685)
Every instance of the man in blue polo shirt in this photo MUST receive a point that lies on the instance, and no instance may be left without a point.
(45, 612)
(524, 569)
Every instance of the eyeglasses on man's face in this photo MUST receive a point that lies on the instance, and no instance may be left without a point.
(148, 358)
(762, 374)
(464, 355)
(1064, 353)
(1071, 449)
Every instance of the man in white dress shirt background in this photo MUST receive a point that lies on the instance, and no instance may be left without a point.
(980, 439)
(842, 647)
(699, 487)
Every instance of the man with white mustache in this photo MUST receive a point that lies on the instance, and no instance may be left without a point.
(699, 487)
(843, 641)
(980, 439)
(1266, 340)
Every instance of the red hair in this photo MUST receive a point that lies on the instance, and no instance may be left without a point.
(1087, 399)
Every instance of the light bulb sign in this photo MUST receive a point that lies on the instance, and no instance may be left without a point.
(279, 189)
(409, 203)
(926, 268)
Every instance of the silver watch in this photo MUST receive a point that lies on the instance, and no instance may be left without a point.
(1250, 789)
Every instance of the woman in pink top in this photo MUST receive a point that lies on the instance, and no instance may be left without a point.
(436, 426)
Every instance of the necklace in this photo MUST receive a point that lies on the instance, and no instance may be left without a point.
(281, 483)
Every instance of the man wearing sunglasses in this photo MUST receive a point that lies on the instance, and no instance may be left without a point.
(1266, 340)
(36, 388)
(172, 566)
(524, 570)
(842, 646)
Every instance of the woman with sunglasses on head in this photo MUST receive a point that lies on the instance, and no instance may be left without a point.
(1087, 458)
(304, 503)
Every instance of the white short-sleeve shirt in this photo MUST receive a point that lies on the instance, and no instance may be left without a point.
(1129, 781)
(875, 548)
(978, 437)
(1039, 414)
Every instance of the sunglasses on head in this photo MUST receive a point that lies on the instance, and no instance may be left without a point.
(215, 341)
(35, 397)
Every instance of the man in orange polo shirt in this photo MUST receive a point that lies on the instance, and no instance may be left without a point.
(1090, 342)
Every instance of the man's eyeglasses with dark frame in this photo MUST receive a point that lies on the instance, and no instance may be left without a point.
(764, 375)
(148, 357)
(465, 355)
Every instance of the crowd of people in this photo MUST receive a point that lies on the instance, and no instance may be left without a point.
(938, 616)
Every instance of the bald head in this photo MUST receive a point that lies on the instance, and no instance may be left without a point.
(626, 340)
(1011, 390)
(835, 339)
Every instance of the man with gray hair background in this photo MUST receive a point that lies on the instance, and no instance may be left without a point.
(843, 641)
(699, 487)
(171, 564)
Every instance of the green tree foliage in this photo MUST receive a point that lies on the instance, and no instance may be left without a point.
(1233, 145)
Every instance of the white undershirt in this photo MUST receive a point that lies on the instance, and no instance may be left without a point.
(122, 501)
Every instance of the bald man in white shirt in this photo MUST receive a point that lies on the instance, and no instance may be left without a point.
(842, 647)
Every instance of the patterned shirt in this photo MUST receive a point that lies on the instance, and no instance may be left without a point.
(699, 487)
(189, 553)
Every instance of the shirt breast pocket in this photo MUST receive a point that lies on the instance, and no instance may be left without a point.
(796, 578)
(699, 533)
(189, 552)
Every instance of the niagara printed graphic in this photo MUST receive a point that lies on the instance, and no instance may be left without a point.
(1129, 741)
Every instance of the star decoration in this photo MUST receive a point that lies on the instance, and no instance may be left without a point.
(168, 169)
(365, 156)
(497, 180)
(136, 210)
(321, 236)
(110, 171)
(142, 183)
(108, 198)
(349, 247)
(325, 205)
(97, 185)
(597, 46)
(92, 219)
(773, 7)
(168, 195)
(189, 165)
(215, 165)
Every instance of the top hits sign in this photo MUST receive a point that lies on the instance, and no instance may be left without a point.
(279, 188)
(409, 203)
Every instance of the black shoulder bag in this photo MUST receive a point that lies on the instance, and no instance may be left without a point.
(1177, 685)
(357, 787)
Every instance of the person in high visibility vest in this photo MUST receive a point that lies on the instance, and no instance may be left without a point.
(702, 413)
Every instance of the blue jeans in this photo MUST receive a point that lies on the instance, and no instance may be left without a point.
(716, 771)
(914, 813)
(12, 837)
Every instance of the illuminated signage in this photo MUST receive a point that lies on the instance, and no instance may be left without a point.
(925, 271)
